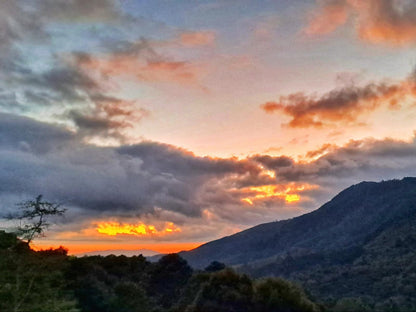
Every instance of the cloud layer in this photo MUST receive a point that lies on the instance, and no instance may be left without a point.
(343, 106)
(152, 181)
(376, 21)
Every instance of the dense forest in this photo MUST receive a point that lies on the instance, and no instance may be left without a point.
(52, 281)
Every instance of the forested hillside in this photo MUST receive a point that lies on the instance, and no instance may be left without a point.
(350, 219)
(356, 252)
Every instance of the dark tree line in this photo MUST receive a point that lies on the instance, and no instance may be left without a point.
(52, 281)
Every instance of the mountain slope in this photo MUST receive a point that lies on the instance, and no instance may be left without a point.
(344, 224)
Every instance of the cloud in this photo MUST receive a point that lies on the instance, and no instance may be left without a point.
(140, 61)
(107, 118)
(376, 21)
(273, 162)
(64, 82)
(81, 87)
(343, 105)
(197, 38)
(329, 17)
(81, 11)
(21, 20)
(79, 98)
(152, 183)
(52, 88)
(131, 179)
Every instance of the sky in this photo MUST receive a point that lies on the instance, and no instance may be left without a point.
(165, 124)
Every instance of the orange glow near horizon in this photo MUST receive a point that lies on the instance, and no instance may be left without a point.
(141, 229)
(75, 248)
(289, 193)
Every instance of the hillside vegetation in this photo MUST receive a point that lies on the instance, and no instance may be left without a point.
(51, 281)
(356, 252)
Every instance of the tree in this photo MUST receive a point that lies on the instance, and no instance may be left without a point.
(167, 279)
(276, 294)
(33, 281)
(33, 217)
(215, 266)
(226, 291)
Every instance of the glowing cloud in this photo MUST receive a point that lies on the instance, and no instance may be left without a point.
(377, 21)
(289, 193)
(140, 62)
(342, 105)
(140, 229)
(197, 38)
(328, 18)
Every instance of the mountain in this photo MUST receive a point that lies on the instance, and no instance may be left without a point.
(361, 244)
(118, 252)
(351, 218)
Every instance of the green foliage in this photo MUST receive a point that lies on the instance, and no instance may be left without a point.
(167, 277)
(224, 291)
(7, 240)
(229, 291)
(275, 294)
(33, 281)
(50, 281)
(215, 266)
(129, 297)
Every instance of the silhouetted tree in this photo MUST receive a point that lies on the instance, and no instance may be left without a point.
(215, 266)
(167, 279)
(224, 291)
(33, 217)
(275, 294)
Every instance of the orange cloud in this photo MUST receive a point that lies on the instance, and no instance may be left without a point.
(329, 17)
(343, 105)
(197, 38)
(290, 192)
(138, 61)
(140, 229)
(376, 21)
(142, 70)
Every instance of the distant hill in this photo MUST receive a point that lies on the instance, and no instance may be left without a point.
(119, 252)
(361, 244)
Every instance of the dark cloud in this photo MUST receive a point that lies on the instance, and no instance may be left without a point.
(17, 133)
(40, 158)
(62, 83)
(150, 178)
(107, 117)
(343, 105)
(66, 83)
(76, 86)
(83, 98)
(273, 162)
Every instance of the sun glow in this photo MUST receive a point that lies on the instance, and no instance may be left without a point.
(140, 229)
(289, 192)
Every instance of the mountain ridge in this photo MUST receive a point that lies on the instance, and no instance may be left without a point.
(347, 220)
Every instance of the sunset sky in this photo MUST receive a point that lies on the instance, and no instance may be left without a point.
(166, 124)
